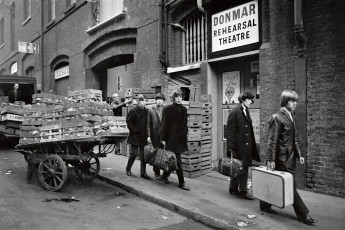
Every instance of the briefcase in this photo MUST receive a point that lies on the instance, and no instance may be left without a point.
(274, 187)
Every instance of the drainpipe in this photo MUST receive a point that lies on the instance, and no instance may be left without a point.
(42, 46)
(166, 34)
(200, 8)
(300, 38)
(160, 31)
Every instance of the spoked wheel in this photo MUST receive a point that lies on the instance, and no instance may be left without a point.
(52, 173)
(87, 169)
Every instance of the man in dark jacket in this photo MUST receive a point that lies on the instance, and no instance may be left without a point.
(241, 142)
(283, 149)
(137, 125)
(174, 132)
(154, 127)
(14, 94)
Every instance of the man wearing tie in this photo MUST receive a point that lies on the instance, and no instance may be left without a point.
(241, 142)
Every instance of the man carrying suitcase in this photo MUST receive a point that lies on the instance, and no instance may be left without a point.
(283, 149)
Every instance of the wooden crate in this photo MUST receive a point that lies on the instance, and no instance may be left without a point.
(193, 151)
(194, 134)
(190, 159)
(207, 119)
(192, 174)
(206, 132)
(207, 111)
(193, 144)
(196, 111)
(206, 126)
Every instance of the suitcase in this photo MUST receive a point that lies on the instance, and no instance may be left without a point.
(274, 187)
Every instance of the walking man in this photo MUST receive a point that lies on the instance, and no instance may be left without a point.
(174, 132)
(241, 143)
(283, 149)
(137, 125)
(154, 121)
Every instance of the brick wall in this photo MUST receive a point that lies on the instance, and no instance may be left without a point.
(325, 30)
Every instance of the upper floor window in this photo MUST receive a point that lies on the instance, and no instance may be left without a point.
(2, 31)
(109, 8)
(30, 72)
(27, 9)
(51, 10)
(14, 68)
(194, 40)
(12, 26)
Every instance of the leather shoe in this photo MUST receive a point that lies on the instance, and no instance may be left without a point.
(269, 210)
(184, 187)
(234, 192)
(128, 172)
(307, 220)
(165, 180)
(245, 195)
(158, 177)
(145, 176)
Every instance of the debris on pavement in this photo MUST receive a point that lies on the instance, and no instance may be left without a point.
(68, 199)
(251, 216)
(241, 224)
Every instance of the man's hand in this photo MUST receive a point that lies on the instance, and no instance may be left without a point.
(271, 165)
(301, 159)
(149, 140)
(163, 143)
(128, 101)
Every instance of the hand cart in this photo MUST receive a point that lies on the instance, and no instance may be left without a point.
(52, 157)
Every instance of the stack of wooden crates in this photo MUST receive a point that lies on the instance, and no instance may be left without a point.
(197, 161)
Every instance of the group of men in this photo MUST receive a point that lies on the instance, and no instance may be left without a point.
(162, 126)
(166, 127)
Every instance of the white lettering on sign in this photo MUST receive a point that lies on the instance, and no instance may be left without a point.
(235, 27)
(62, 72)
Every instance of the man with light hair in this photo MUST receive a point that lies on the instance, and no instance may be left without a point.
(283, 149)
(117, 105)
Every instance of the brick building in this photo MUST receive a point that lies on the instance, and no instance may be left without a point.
(223, 47)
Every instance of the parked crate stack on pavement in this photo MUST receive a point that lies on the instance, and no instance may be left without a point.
(11, 117)
(206, 136)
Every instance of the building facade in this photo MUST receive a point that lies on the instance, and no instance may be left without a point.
(222, 47)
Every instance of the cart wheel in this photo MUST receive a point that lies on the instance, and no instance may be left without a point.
(87, 169)
(52, 173)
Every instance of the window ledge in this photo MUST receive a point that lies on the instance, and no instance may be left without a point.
(183, 68)
(50, 24)
(27, 20)
(114, 18)
(70, 8)
(2, 45)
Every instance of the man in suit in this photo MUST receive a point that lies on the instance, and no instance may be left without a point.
(14, 94)
(154, 121)
(137, 125)
(174, 132)
(241, 143)
(283, 149)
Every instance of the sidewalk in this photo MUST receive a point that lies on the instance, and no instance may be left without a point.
(210, 203)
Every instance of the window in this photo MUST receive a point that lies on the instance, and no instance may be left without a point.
(51, 10)
(194, 40)
(70, 2)
(12, 25)
(27, 9)
(109, 8)
(30, 72)
(2, 31)
(14, 68)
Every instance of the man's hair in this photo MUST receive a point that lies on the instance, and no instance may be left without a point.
(141, 97)
(115, 95)
(176, 93)
(246, 95)
(160, 96)
(288, 95)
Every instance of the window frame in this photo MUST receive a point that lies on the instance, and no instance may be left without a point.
(51, 10)
(27, 11)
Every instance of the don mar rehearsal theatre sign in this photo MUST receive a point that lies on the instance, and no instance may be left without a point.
(235, 27)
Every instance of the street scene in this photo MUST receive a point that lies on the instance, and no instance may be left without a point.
(172, 114)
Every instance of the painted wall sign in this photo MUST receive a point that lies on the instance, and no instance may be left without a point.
(62, 72)
(235, 27)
